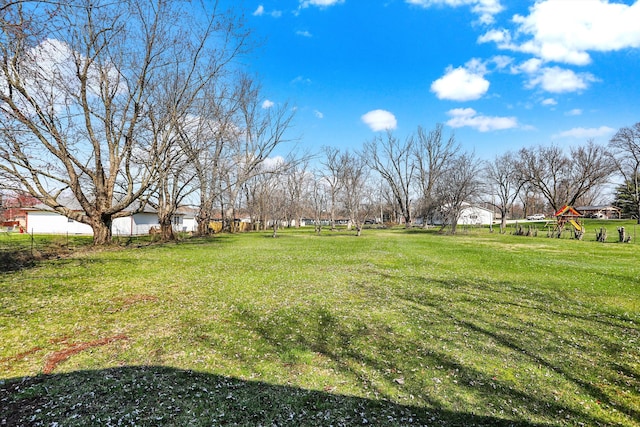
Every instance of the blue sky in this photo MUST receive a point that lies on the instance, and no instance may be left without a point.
(500, 75)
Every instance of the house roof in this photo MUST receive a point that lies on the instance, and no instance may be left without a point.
(187, 211)
(74, 205)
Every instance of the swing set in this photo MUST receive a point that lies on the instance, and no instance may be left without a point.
(568, 215)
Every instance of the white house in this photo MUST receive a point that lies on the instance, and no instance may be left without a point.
(471, 215)
(41, 219)
(475, 215)
(185, 220)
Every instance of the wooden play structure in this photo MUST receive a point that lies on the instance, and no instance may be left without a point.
(568, 215)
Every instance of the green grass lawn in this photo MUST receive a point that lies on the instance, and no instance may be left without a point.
(391, 328)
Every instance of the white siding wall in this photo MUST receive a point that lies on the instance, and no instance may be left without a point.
(42, 222)
(475, 216)
(121, 226)
(142, 222)
(470, 215)
(139, 224)
(188, 224)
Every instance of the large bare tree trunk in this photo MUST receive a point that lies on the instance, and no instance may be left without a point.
(203, 225)
(503, 222)
(166, 227)
(102, 231)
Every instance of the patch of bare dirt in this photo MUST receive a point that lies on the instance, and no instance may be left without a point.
(60, 356)
(20, 356)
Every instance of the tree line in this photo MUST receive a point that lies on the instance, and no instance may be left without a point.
(122, 105)
(429, 177)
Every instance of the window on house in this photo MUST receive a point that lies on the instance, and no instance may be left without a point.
(177, 220)
(69, 220)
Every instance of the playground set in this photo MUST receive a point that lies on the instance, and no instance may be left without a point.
(568, 215)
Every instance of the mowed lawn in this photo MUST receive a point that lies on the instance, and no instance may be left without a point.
(394, 327)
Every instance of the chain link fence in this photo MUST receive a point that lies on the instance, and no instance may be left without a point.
(21, 249)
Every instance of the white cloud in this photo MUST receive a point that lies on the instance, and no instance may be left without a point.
(260, 11)
(273, 163)
(319, 3)
(559, 80)
(549, 101)
(502, 61)
(463, 83)
(267, 104)
(500, 37)
(553, 79)
(468, 117)
(530, 66)
(304, 34)
(318, 114)
(565, 31)
(301, 80)
(574, 112)
(486, 9)
(586, 133)
(379, 120)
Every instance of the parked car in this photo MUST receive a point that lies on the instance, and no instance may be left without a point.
(535, 217)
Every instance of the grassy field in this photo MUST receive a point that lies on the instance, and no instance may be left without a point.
(391, 328)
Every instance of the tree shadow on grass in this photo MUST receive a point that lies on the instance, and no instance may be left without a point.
(386, 371)
(14, 260)
(551, 331)
(162, 396)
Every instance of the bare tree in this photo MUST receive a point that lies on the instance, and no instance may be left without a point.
(432, 155)
(206, 136)
(298, 187)
(389, 203)
(318, 199)
(256, 194)
(458, 185)
(563, 179)
(625, 146)
(356, 195)
(505, 182)
(546, 170)
(172, 186)
(268, 198)
(592, 169)
(332, 177)
(394, 161)
(77, 99)
(258, 131)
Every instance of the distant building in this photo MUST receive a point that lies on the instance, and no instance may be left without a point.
(603, 211)
(470, 215)
(475, 215)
